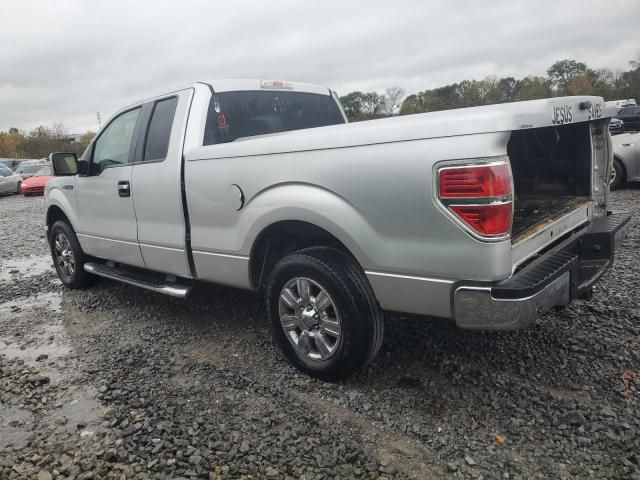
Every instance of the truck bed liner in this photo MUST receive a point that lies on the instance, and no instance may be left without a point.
(534, 212)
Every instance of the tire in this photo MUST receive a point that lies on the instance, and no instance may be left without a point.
(66, 251)
(619, 175)
(18, 185)
(348, 306)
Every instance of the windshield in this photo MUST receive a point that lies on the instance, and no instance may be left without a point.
(234, 115)
(43, 172)
(32, 168)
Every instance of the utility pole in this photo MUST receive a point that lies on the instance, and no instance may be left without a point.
(98, 117)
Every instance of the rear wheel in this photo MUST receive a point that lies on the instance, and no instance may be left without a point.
(68, 257)
(618, 175)
(323, 312)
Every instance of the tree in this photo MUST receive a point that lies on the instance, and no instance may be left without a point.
(581, 85)
(562, 73)
(531, 88)
(630, 81)
(352, 105)
(84, 141)
(393, 100)
(11, 143)
(372, 103)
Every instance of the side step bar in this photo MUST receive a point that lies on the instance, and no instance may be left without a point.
(136, 279)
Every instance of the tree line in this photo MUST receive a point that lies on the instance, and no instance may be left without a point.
(564, 77)
(41, 141)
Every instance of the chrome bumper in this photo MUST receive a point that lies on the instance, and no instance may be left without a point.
(476, 308)
(566, 272)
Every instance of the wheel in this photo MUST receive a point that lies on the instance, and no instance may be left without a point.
(618, 175)
(324, 315)
(18, 185)
(27, 194)
(67, 256)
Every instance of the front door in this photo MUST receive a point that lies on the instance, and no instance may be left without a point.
(106, 216)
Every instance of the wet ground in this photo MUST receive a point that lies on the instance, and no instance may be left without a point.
(117, 382)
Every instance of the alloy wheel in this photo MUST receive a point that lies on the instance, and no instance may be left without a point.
(310, 319)
(65, 259)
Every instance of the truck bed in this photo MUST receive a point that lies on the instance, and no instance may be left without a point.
(534, 212)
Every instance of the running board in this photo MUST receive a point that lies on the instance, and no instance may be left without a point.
(136, 279)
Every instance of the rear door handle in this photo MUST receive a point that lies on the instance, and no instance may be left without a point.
(124, 188)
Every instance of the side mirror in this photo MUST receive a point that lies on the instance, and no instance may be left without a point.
(64, 164)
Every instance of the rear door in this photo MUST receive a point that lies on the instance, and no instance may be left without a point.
(157, 184)
(106, 226)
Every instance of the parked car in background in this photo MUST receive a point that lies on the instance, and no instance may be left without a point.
(626, 159)
(35, 184)
(616, 126)
(29, 168)
(631, 118)
(9, 181)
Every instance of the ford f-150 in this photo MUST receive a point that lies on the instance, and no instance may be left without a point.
(487, 216)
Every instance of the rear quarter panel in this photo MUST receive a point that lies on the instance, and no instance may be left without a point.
(376, 199)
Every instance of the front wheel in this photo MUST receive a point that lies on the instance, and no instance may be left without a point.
(323, 312)
(68, 257)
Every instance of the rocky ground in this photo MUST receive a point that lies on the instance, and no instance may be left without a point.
(117, 382)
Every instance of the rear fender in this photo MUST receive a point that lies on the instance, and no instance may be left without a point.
(312, 204)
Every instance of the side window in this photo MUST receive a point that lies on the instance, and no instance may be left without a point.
(157, 142)
(5, 172)
(114, 143)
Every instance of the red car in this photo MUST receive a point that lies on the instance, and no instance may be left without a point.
(35, 185)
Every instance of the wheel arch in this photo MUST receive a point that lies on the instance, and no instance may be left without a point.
(56, 212)
(286, 236)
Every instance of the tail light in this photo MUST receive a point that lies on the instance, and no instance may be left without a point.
(478, 197)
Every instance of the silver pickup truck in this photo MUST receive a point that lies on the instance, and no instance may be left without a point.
(487, 216)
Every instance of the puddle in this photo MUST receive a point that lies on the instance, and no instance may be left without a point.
(43, 343)
(25, 267)
(52, 301)
(80, 412)
(29, 354)
(16, 427)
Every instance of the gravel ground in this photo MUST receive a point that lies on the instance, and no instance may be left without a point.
(117, 382)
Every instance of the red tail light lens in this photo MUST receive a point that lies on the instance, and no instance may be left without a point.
(475, 181)
(491, 220)
(478, 197)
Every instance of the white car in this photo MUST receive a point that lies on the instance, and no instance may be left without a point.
(626, 159)
(9, 181)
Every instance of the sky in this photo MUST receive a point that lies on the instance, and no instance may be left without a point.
(66, 60)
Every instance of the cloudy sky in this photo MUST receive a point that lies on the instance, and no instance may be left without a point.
(65, 60)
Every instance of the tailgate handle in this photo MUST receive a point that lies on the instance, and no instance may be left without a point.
(124, 188)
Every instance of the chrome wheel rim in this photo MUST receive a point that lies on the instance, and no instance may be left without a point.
(65, 259)
(310, 319)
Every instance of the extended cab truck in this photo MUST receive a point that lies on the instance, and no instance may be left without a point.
(488, 216)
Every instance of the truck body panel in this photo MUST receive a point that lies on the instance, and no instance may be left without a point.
(200, 210)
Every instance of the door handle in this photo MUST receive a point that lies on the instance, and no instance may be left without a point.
(124, 188)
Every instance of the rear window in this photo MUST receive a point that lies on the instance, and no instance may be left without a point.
(234, 115)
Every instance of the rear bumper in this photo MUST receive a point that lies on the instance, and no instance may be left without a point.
(565, 272)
